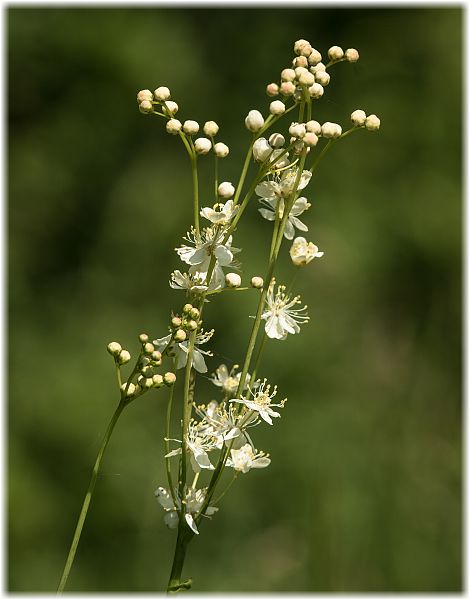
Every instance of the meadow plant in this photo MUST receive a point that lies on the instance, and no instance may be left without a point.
(218, 436)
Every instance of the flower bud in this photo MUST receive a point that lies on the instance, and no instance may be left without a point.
(187, 308)
(144, 95)
(299, 61)
(318, 67)
(114, 348)
(180, 335)
(316, 91)
(314, 127)
(310, 139)
(287, 88)
(306, 78)
(157, 380)
(191, 325)
(358, 118)
(170, 107)
(210, 128)
(314, 57)
(124, 357)
(194, 313)
(233, 280)
(297, 130)
(261, 150)
(272, 89)
(147, 371)
(149, 348)
(169, 378)
(221, 150)
(331, 130)
(156, 356)
(143, 338)
(162, 93)
(322, 77)
(276, 140)
(302, 45)
(257, 282)
(287, 75)
(176, 322)
(277, 107)
(226, 190)
(254, 121)
(202, 145)
(146, 107)
(372, 123)
(191, 127)
(173, 126)
(335, 53)
(351, 55)
(147, 383)
(302, 252)
(299, 71)
(131, 390)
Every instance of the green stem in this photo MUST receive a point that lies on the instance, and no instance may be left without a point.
(195, 191)
(246, 164)
(184, 537)
(167, 441)
(87, 500)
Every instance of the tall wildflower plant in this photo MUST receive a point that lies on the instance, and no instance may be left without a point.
(218, 436)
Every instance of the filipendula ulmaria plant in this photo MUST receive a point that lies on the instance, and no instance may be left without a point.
(217, 436)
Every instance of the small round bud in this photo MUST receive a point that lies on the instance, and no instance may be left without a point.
(300, 61)
(372, 123)
(170, 107)
(162, 93)
(180, 335)
(187, 308)
(149, 348)
(299, 71)
(210, 128)
(131, 390)
(277, 107)
(146, 371)
(287, 75)
(114, 348)
(318, 67)
(226, 190)
(254, 121)
(147, 383)
(316, 91)
(261, 150)
(314, 127)
(173, 126)
(257, 282)
(175, 322)
(331, 130)
(297, 130)
(157, 380)
(322, 77)
(156, 356)
(146, 107)
(358, 118)
(306, 78)
(144, 95)
(221, 150)
(191, 325)
(191, 127)
(143, 338)
(335, 53)
(124, 357)
(194, 313)
(302, 45)
(314, 57)
(276, 140)
(272, 89)
(233, 280)
(169, 378)
(287, 88)
(351, 55)
(202, 145)
(310, 139)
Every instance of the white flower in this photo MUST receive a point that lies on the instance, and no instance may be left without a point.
(245, 459)
(254, 120)
(261, 402)
(193, 504)
(220, 214)
(228, 381)
(185, 281)
(280, 315)
(199, 442)
(223, 424)
(302, 252)
(181, 350)
(208, 243)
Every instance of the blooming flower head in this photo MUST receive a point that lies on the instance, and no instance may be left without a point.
(187, 281)
(260, 401)
(228, 381)
(280, 315)
(246, 458)
(302, 252)
(220, 214)
(222, 421)
(199, 442)
(181, 350)
(193, 502)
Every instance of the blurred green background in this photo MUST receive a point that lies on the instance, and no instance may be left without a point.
(364, 493)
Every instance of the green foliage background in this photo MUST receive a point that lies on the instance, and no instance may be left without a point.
(364, 491)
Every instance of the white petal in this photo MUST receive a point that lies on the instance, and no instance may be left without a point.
(266, 189)
(210, 510)
(198, 362)
(264, 415)
(267, 214)
(298, 223)
(173, 453)
(198, 257)
(272, 328)
(171, 519)
(191, 523)
(289, 231)
(164, 498)
(223, 255)
(203, 461)
(261, 462)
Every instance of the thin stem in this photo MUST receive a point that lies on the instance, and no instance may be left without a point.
(241, 181)
(329, 145)
(167, 441)
(219, 498)
(258, 358)
(88, 495)
(195, 191)
(184, 537)
(216, 176)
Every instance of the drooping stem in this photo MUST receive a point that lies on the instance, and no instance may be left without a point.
(88, 495)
